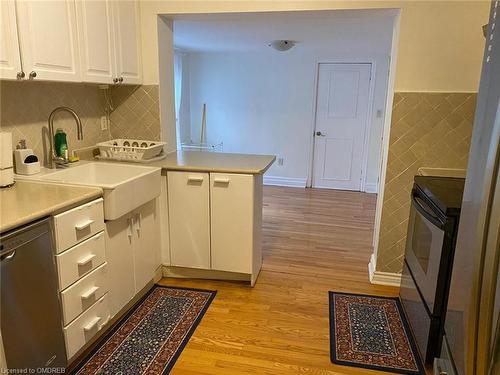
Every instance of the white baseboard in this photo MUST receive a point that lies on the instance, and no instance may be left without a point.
(382, 278)
(371, 187)
(285, 181)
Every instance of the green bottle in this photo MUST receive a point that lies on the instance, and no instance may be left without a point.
(60, 143)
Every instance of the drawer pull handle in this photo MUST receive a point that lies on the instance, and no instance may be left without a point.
(89, 293)
(195, 179)
(92, 324)
(138, 219)
(130, 230)
(84, 225)
(221, 180)
(86, 260)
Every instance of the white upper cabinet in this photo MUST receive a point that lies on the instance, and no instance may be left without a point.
(48, 40)
(10, 59)
(95, 34)
(71, 40)
(126, 18)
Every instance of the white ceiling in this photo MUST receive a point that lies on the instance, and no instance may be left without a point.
(254, 31)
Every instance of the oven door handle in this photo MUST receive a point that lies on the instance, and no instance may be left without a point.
(424, 209)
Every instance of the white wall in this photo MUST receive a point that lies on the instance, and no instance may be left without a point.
(263, 102)
(185, 107)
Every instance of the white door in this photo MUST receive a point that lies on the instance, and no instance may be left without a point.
(95, 34)
(147, 231)
(189, 219)
(10, 59)
(341, 120)
(48, 39)
(127, 41)
(232, 222)
(120, 244)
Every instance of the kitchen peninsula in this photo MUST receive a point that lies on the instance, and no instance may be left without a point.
(213, 212)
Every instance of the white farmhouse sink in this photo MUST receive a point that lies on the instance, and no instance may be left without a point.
(125, 186)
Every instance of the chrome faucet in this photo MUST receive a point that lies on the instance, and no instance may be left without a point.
(55, 160)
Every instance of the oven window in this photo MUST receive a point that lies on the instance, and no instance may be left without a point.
(421, 242)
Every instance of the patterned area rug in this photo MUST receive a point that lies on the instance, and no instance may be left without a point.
(371, 332)
(152, 336)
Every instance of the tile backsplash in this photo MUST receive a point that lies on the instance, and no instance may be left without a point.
(428, 130)
(25, 108)
(136, 112)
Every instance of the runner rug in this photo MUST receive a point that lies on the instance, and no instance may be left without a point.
(371, 332)
(152, 336)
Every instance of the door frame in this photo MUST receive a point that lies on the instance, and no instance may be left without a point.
(368, 120)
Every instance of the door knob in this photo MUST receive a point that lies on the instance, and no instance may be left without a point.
(20, 75)
(319, 134)
(120, 79)
(115, 80)
(32, 74)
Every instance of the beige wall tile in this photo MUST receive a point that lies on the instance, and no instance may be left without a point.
(136, 112)
(427, 130)
(25, 108)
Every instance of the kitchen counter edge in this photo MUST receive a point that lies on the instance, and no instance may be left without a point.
(65, 198)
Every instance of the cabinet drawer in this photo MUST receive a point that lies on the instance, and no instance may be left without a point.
(78, 224)
(80, 260)
(82, 329)
(84, 293)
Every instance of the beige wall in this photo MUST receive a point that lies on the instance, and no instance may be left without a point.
(440, 46)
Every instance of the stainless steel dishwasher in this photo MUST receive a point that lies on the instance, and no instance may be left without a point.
(30, 310)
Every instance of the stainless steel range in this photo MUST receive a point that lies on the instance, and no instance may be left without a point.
(430, 246)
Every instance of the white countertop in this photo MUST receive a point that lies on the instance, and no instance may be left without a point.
(199, 161)
(27, 201)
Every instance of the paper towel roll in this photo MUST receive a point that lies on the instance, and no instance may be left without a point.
(6, 150)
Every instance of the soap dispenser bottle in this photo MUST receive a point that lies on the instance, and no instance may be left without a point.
(61, 144)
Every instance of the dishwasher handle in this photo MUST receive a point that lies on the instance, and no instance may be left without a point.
(8, 255)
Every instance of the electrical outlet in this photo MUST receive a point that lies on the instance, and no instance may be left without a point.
(280, 161)
(104, 122)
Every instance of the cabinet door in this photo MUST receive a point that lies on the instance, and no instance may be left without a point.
(95, 36)
(48, 39)
(232, 222)
(127, 41)
(147, 245)
(189, 219)
(10, 59)
(120, 258)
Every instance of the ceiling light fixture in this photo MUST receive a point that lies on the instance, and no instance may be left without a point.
(282, 45)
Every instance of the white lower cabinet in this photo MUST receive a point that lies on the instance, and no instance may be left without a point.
(103, 270)
(189, 219)
(85, 327)
(147, 246)
(120, 257)
(215, 221)
(132, 247)
(232, 213)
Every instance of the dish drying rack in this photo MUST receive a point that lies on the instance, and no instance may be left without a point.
(211, 147)
(137, 150)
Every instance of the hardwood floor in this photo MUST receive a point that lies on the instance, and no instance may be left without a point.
(313, 241)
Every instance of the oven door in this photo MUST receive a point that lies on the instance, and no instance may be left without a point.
(424, 245)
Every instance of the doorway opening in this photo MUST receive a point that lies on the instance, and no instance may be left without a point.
(344, 98)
